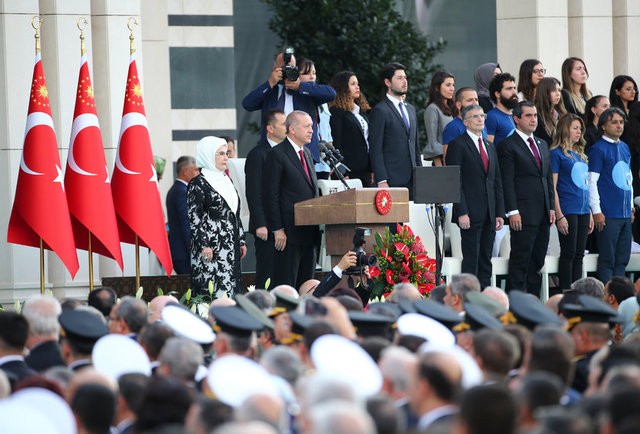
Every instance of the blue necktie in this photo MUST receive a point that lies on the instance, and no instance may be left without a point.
(404, 117)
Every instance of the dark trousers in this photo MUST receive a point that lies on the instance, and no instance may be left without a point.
(528, 250)
(265, 254)
(477, 244)
(614, 244)
(182, 266)
(294, 265)
(572, 248)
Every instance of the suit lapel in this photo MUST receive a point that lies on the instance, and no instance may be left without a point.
(352, 118)
(295, 160)
(527, 150)
(396, 113)
(474, 151)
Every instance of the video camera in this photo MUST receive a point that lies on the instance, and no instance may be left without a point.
(290, 73)
(362, 259)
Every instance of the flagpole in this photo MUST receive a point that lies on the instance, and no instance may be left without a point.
(137, 264)
(41, 266)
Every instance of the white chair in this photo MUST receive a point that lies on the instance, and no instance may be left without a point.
(589, 264)
(551, 262)
(500, 264)
(453, 264)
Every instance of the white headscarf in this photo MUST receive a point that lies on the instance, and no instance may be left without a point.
(205, 159)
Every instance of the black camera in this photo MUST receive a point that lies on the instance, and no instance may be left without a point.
(290, 73)
(362, 258)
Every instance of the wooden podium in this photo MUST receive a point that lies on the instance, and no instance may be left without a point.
(342, 212)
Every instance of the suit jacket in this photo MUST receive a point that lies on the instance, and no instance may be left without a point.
(527, 188)
(393, 152)
(44, 356)
(16, 370)
(285, 183)
(479, 190)
(253, 169)
(348, 137)
(308, 97)
(179, 233)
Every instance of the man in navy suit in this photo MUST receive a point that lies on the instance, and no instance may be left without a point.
(14, 331)
(41, 312)
(479, 214)
(291, 178)
(528, 198)
(179, 233)
(393, 133)
(254, 167)
(286, 95)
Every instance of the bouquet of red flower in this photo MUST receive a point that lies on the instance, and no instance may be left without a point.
(401, 258)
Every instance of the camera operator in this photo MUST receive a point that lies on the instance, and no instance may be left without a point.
(289, 93)
(347, 263)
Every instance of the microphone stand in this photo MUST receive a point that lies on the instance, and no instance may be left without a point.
(440, 216)
(329, 159)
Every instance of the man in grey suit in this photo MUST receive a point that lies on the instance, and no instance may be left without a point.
(393, 132)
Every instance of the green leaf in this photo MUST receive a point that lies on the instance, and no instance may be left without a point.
(17, 306)
(378, 239)
(211, 288)
(159, 291)
(267, 283)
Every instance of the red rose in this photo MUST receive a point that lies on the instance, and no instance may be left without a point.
(374, 271)
(389, 276)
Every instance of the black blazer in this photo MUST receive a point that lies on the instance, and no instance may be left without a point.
(253, 169)
(44, 356)
(16, 370)
(526, 188)
(393, 152)
(348, 137)
(179, 232)
(285, 184)
(479, 190)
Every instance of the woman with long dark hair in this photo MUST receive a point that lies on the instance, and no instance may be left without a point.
(575, 93)
(573, 216)
(440, 111)
(349, 125)
(531, 72)
(592, 111)
(550, 107)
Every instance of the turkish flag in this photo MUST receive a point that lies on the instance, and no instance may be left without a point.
(40, 206)
(136, 195)
(86, 179)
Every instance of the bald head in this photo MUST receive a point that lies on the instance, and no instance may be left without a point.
(308, 287)
(285, 290)
(157, 304)
(264, 408)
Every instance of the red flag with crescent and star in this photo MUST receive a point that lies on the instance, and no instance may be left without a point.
(40, 208)
(136, 195)
(86, 178)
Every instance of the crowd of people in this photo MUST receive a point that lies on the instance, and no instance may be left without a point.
(463, 361)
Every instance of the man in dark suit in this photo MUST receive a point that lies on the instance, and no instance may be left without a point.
(14, 331)
(291, 178)
(286, 95)
(179, 233)
(44, 332)
(254, 166)
(393, 133)
(528, 197)
(479, 214)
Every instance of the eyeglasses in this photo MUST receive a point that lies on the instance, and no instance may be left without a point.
(223, 154)
(540, 71)
(478, 116)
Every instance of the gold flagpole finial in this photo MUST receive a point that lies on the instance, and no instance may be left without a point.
(132, 23)
(82, 24)
(36, 23)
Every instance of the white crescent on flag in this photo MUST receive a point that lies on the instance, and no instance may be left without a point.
(129, 120)
(80, 123)
(33, 120)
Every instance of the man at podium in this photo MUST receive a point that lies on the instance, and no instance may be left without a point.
(290, 177)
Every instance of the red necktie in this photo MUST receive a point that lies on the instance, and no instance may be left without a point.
(536, 154)
(304, 164)
(483, 155)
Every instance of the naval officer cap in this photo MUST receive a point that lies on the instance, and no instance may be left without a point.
(234, 320)
(527, 310)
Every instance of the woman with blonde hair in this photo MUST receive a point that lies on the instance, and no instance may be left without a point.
(575, 93)
(550, 108)
(573, 215)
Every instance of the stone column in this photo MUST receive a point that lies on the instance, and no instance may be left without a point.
(626, 34)
(590, 38)
(532, 29)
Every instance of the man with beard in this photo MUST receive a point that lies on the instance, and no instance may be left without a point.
(393, 132)
(499, 123)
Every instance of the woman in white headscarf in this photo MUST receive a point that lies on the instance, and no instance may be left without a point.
(217, 237)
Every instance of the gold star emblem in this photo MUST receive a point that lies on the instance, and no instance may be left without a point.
(137, 90)
(89, 91)
(42, 91)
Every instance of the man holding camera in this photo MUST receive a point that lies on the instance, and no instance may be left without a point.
(283, 90)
